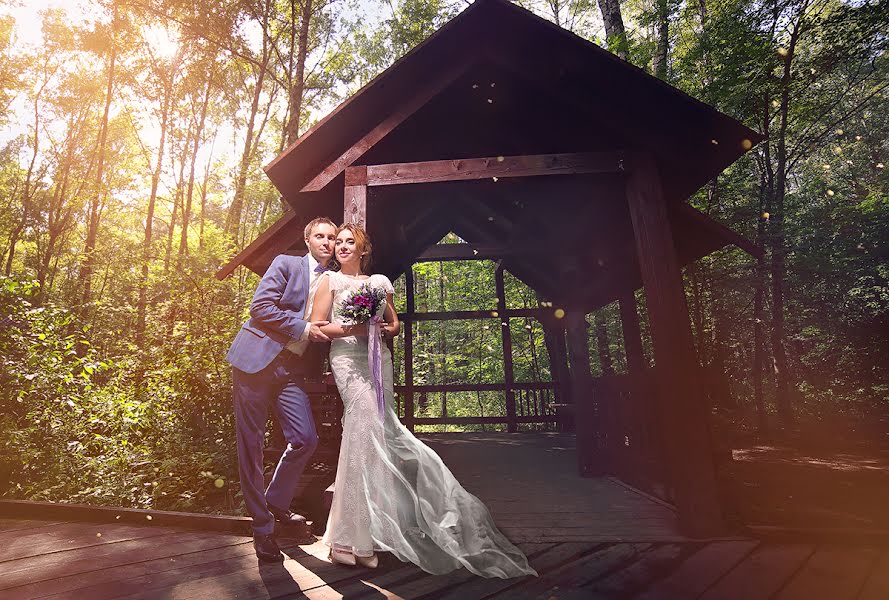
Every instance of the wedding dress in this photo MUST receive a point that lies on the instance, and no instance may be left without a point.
(392, 492)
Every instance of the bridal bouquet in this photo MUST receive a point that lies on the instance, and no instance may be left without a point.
(363, 306)
(363, 303)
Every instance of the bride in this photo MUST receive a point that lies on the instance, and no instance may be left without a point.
(392, 492)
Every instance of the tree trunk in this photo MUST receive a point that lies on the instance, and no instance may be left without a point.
(659, 61)
(616, 36)
(27, 200)
(177, 201)
(186, 211)
(204, 187)
(152, 201)
(298, 85)
(86, 270)
(759, 277)
(783, 379)
(233, 219)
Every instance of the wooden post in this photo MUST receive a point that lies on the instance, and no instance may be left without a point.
(355, 196)
(554, 338)
(629, 319)
(409, 349)
(682, 409)
(508, 375)
(586, 426)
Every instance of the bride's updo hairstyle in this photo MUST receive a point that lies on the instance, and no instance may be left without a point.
(362, 243)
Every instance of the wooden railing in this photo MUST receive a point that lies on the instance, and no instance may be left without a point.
(629, 431)
(533, 404)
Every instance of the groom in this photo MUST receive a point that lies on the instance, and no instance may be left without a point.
(271, 357)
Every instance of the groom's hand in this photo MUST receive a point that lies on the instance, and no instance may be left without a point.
(315, 333)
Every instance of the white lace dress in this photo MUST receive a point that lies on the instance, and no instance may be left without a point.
(392, 492)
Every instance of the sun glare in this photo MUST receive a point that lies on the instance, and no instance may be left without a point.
(163, 42)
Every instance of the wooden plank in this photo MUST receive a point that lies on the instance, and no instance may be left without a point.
(706, 222)
(636, 575)
(418, 97)
(110, 514)
(559, 582)
(701, 570)
(495, 166)
(451, 252)
(15, 544)
(761, 573)
(682, 412)
(479, 387)
(355, 205)
(455, 315)
(356, 175)
(876, 587)
(835, 572)
(21, 524)
(233, 572)
(372, 585)
(544, 562)
(70, 570)
(273, 231)
(434, 584)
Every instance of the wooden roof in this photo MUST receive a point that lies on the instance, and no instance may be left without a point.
(499, 81)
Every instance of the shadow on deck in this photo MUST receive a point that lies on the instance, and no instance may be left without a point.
(588, 538)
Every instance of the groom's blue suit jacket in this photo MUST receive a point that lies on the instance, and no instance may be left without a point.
(276, 317)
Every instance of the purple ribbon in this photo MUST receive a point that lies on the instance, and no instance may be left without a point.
(375, 362)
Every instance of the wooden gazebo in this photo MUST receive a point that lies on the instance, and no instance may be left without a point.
(571, 168)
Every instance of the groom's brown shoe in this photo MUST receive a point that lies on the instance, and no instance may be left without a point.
(267, 548)
(286, 517)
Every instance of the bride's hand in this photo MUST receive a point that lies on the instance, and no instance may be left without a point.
(315, 333)
(356, 330)
(388, 330)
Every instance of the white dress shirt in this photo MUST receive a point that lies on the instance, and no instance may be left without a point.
(299, 346)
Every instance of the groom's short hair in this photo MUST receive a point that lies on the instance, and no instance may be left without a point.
(317, 221)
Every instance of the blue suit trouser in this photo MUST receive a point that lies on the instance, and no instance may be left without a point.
(277, 386)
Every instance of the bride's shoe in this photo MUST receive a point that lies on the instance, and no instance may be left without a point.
(343, 558)
(371, 562)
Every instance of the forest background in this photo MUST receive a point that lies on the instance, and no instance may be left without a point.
(132, 135)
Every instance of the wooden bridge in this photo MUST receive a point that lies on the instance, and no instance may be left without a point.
(588, 538)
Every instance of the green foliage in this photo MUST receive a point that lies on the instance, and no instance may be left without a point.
(142, 429)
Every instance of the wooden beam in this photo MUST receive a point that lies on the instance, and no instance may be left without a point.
(507, 350)
(355, 205)
(554, 338)
(681, 402)
(702, 220)
(478, 387)
(586, 424)
(417, 98)
(482, 420)
(495, 166)
(450, 252)
(408, 390)
(285, 220)
(456, 315)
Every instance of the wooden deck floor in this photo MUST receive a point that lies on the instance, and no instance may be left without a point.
(587, 539)
(88, 560)
(530, 484)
